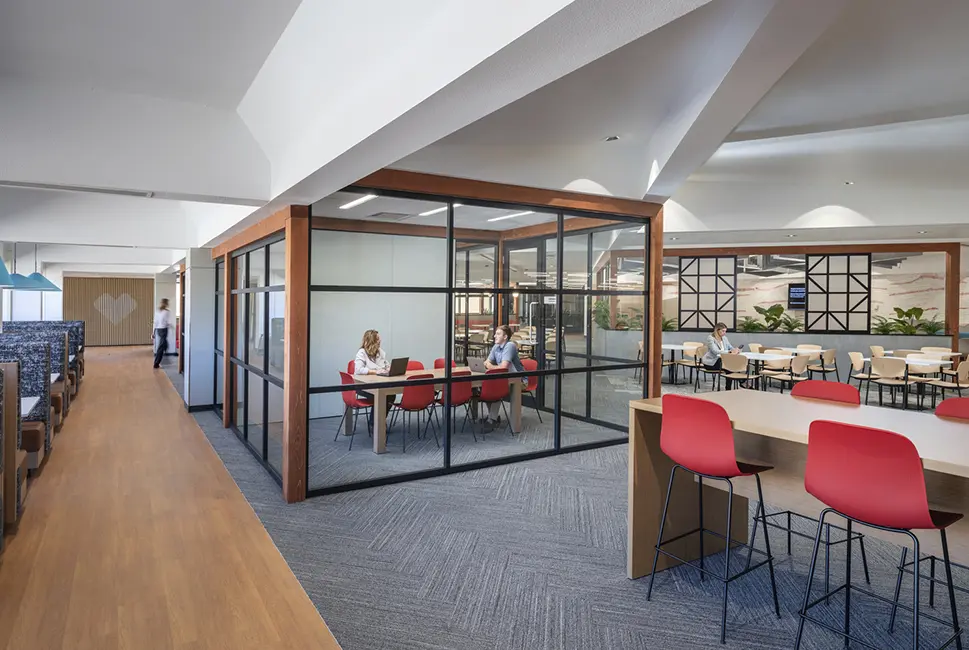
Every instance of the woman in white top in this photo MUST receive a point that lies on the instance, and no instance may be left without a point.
(717, 343)
(163, 320)
(370, 359)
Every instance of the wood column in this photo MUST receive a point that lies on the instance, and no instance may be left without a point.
(654, 321)
(953, 278)
(228, 398)
(296, 353)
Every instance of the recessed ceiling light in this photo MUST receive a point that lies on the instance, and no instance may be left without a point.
(510, 216)
(437, 210)
(611, 138)
(849, 182)
(354, 203)
(922, 232)
(791, 236)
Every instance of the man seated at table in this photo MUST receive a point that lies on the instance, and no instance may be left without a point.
(504, 355)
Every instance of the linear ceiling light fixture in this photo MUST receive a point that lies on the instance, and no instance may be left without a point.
(363, 199)
(437, 210)
(511, 216)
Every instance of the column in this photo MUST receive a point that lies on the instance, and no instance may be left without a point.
(296, 352)
(198, 347)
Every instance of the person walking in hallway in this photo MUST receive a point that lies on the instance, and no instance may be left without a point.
(163, 320)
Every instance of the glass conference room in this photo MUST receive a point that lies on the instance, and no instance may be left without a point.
(435, 277)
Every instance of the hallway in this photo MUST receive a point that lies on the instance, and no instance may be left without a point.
(135, 536)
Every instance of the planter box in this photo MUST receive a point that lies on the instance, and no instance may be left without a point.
(618, 344)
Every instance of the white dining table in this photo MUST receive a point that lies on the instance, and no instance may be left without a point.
(801, 351)
(765, 356)
(921, 362)
(889, 353)
(678, 347)
(27, 404)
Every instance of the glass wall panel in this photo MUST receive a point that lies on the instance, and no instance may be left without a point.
(277, 321)
(240, 272)
(239, 390)
(219, 380)
(219, 322)
(220, 276)
(257, 330)
(255, 432)
(257, 268)
(239, 333)
(274, 430)
(277, 264)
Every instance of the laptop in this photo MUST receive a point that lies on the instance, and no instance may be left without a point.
(477, 364)
(397, 368)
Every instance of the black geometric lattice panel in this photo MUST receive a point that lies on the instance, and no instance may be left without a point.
(708, 292)
(838, 293)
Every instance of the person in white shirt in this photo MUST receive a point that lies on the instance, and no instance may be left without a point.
(371, 360)
(163, 320)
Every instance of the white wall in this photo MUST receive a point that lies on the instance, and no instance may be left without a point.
(410, 324)
(53, 301)
(199, 343)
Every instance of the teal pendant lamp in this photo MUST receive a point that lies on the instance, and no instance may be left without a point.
(33, 282)
(5, 279)
(43, 284)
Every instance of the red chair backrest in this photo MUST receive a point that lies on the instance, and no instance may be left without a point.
(416, 398)
(698, 435)
(529, 365)
(439, 363)
(415, 365)
(350, 396)
(869, 474)
(494, 390)
(352, 367)
(461, 391)
(833, 391)
(954, 407)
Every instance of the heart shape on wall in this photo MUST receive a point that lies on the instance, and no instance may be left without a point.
(115, 309)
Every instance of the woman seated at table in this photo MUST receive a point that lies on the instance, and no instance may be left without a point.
(371, 360)
(717, 344)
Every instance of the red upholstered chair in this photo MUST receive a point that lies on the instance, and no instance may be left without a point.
(698, 436)
(415, 365)
(495, 391)
(416, 399)
(461, 395)
(831, 391)
(440, 363)
(353, 403)
(874, 478)
(351, 367)
(954, 407)
(530, 365)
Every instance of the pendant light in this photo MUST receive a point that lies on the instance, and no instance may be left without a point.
(20, 282)
(42, 282)
(5, 281)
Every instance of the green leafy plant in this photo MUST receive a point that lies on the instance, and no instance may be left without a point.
(601, 315)
(931, 327)
(772, 316)
(907, 320)
(749, 324)
(669, 324)
(791, 324)
(881, 325)
(635, 320)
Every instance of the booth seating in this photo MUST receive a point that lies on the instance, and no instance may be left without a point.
(61, 386)
(35, 370)
(75, 346)
(14, 459)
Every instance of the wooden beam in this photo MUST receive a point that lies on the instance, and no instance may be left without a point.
(273, 223)
(405, 181)
(412, 230)
(296, 353)
(570, 224)
(820, 249)
(655, 284)
(228, 399)
(953, 279)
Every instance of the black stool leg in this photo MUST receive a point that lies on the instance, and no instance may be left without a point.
(952, 593)
(659, 538)
(827, 561)
(864, 559)
(807, 590)
(699, 483)
(848, 587)
(915, 593)
(898, 590)
(932, 581)
(770, 555)
(726, 564)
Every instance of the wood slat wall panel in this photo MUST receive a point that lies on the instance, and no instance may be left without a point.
(116, 311)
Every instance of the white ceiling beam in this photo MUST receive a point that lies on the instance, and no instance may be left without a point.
(761, 43)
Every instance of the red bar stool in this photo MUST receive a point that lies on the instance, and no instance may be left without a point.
(883, 490)
(698, 437)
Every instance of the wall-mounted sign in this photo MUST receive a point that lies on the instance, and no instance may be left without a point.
(796, 295)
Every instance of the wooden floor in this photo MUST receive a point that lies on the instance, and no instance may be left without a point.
(135, 536)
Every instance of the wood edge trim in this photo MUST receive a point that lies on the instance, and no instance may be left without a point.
(953, 281)
(261, 229)
(655, 305)
(228, 398)
(296, 358)
(820, 249)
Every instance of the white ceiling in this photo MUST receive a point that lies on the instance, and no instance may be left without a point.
(205, 52)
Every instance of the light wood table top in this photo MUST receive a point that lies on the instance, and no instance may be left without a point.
(943, 444)
(438, 373)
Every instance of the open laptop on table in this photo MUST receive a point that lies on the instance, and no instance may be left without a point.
(477, 364)
(398, 367)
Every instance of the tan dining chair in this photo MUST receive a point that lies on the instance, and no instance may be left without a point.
(893, 373)
(877, 351)
(736, 368)
(687, 358)
(960, 384)
(756, 348)
(858, 368)
(795, 373)
(811, 346)
(698, 354)
(929, 348)
(777, 367)
(827, 363)
(901, 354)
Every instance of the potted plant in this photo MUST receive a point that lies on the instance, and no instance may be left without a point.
(906, 321)
(749, 324)
(669, 324)
(772, 316)
(881, 325)
(791, 324)
(600, 314)
(931, 327)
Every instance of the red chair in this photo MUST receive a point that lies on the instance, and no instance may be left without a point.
(439, 363)
(495, 391)
(831, 391)
(954, 407)
(415, 365)
(461, 395)
(531, 365)
(352, 367)
(353, 403)
(698, 437)
(874, 478)
(416, 399)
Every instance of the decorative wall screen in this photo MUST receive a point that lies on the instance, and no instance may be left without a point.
(708, 292)
(838, 293)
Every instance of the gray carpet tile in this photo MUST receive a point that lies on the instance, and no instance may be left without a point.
(532, 556)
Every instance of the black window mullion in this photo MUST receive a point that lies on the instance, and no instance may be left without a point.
(559, 347)
(588, 339)
(449, 332)
(265, 420)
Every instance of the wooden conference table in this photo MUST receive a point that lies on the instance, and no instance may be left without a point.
(772, 428)
(373, 384)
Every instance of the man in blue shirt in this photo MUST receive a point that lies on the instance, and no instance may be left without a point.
(504, 354)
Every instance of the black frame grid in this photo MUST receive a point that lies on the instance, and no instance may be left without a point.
(504, 294)
(462, 257)
(857, 292)
(219, 355)
(245, 298)
(724, 286)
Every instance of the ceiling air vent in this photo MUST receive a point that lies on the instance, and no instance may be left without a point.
(388, 216)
